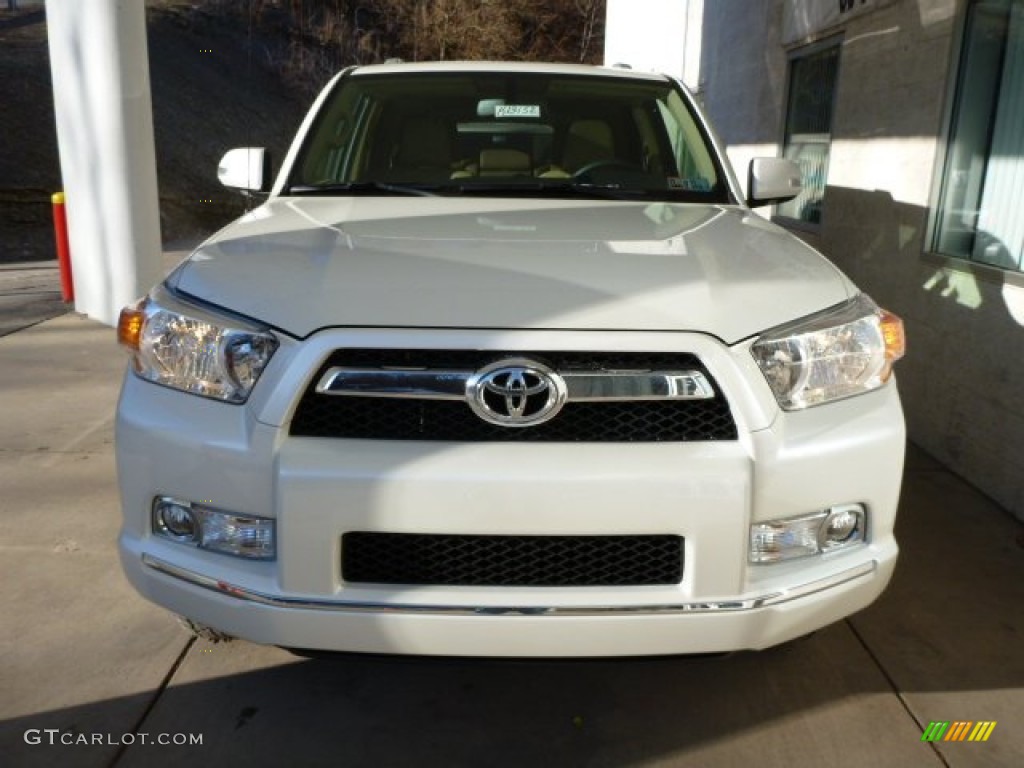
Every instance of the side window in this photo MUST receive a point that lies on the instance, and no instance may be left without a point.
(342, 147)
(329, 149)
(677, 141)
(691, 165)
(978, 215)
(812, 84)
(358, 157)
(322, 163)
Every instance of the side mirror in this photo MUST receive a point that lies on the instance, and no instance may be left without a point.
(772, 180)
(246, 169)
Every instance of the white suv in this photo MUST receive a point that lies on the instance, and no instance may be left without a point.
(506, 366)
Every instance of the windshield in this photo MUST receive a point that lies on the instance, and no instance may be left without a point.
(508, 133)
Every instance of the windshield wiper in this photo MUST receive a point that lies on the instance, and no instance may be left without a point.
(565, 189)
(554, 189)
(363, 188)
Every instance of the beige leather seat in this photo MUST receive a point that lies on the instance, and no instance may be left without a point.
(504, 162)
(585, 142)
(424, 152)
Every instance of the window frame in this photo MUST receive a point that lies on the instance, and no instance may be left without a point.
(792, 55)
(930, 255)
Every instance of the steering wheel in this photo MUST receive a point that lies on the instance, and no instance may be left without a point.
(606, 163)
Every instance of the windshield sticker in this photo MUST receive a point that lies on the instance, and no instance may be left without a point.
(517, 110)
(696, 184)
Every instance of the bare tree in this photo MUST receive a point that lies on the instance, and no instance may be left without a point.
(589, 11)
(324, 35)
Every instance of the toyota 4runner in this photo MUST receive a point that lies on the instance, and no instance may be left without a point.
(505, 365)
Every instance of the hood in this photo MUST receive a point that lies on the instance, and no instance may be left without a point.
(302, 264)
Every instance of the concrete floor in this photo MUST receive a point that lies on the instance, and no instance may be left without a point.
(82, 655)
(29, 293)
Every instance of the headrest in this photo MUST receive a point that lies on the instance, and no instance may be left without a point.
(504, 161)
(425, 142)
(587, 141)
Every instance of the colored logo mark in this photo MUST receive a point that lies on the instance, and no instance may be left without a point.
(958, 730)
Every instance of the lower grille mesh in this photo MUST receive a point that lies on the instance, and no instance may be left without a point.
(380, 419)
(507, 561)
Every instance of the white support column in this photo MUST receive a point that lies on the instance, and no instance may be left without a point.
(655, 35)
(100, 65)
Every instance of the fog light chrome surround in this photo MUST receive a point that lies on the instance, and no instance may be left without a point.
(833, 529)
(174, 519)
(185, 522)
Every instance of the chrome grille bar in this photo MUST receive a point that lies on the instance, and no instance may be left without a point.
(647, 385)
(394, 383)
(590, 386)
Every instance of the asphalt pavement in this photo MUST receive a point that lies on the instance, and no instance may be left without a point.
(93, 675)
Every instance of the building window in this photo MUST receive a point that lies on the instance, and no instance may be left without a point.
(979, 214)
(812, 85)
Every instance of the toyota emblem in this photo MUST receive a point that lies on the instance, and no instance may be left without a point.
(516, 393)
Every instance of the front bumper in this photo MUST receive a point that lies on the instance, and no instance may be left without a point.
(514, 631)
(241, 459)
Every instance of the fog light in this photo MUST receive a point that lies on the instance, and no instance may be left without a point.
(175, 520)
(214, 529)
(250, 537)
(843, 526)
(790, 538)
(778, 540)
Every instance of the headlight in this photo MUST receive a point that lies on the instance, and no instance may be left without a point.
(841, 352)
(190, 348)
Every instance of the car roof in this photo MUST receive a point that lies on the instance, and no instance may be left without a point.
(512, 67)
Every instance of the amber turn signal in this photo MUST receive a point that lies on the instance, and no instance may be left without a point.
(895, 338)
(129, 325)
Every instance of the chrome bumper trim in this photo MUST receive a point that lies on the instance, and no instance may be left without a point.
(727, 606)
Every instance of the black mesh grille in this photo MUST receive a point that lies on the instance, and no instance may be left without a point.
(507, 561)
(396, 419)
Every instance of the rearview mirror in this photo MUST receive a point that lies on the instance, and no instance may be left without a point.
(246, 169)
(772, 180)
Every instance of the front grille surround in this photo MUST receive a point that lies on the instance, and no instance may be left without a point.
(366, 418)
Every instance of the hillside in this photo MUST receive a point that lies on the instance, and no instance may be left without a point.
(203, 104)
(227, 73)
(29, 170)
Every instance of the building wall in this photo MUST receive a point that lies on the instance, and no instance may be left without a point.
(961, 380)
(743, 79)
(655, 36)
